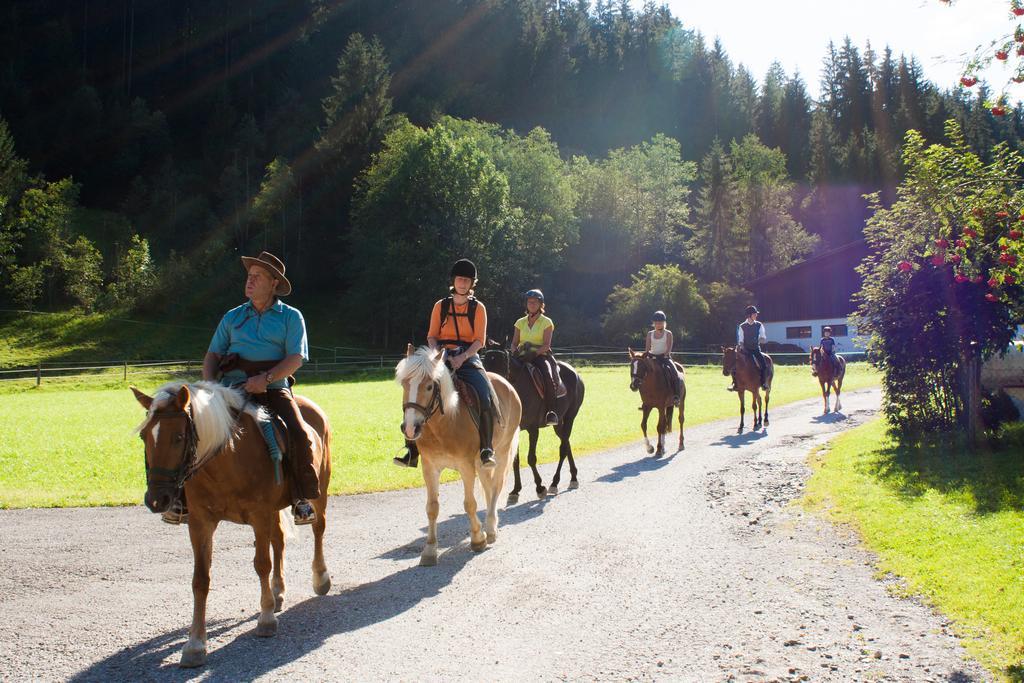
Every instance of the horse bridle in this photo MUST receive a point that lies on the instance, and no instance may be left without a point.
(189, 465)
(634, 370)
(435, 405)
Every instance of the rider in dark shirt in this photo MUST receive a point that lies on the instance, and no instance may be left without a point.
(749, 336)
(828, 347)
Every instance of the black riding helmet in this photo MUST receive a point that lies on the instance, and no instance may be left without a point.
(751, 309)
(534, 294)
(464, 268)
(659, 316)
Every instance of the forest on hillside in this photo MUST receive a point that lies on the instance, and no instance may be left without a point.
(613, 157)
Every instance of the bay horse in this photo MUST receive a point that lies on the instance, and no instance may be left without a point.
(435, 418)
(205, 436)
(647, 377)
(517, 372)
(829, 376)
(748, 378)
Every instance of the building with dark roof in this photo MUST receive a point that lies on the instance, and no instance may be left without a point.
(797, 302)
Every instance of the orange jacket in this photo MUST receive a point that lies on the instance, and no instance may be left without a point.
(459, 316)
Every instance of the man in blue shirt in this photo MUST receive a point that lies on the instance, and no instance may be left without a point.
(258, 346)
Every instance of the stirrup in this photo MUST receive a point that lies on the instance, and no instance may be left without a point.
(487, 457)
(551, 418)
(732, 388)
(408, 459)
(303, 512)
(176, 514)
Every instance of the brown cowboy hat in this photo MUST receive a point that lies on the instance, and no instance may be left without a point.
(272, 265)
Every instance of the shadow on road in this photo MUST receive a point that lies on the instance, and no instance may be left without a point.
(741, 440)
(830, 418)
(302, 629)
(148, 656)
(455, 529)
(636, 468)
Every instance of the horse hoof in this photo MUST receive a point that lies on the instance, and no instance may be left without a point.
(513, 498)
(478, 547)
(278, 603)
(573, 485)
(192, 657)
(553, 490)
(321, 583)
(650, 449)
(266, 629)
(491, 538)
(542, 493)
(428, 560)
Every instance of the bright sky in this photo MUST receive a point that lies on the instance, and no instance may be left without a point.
(796, 32)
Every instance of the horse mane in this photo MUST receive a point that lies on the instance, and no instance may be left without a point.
(214, 411)
(420, 367)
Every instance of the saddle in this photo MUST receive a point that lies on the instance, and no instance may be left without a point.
(469, 399)
(541, 383)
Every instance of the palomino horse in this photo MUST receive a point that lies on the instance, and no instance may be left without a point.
(829, 376)
(205, 436)
(567, 407)
(448, 438)
(647, 377)
(748, 378)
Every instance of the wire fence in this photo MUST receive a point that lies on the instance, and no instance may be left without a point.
(330, 361)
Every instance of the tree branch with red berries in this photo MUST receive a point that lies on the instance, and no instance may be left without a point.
(1008, 49)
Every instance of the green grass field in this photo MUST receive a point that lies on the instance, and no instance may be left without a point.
(947, 520)
(65, 448)
(29, 338)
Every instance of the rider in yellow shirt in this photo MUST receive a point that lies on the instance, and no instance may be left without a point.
(533, 332)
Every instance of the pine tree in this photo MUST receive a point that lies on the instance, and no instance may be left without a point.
(357, 113)
(717, 247)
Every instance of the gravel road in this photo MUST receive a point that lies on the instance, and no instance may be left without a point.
(691, 567)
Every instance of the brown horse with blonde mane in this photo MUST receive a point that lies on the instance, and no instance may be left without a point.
(647, 376)
(830, 375)
(434, 417)
(743, 367)
(205, 437)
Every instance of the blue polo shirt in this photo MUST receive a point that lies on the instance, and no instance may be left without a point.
(277, 332)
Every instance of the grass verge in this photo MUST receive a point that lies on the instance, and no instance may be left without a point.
(948, 520)
(64, 448)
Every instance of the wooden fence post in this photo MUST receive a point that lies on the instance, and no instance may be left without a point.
(126, 371)
(39, 374)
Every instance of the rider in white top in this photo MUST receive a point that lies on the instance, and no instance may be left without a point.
(659, 346)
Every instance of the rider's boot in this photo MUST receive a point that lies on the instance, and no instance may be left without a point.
(303, 512)
(551, 418)
(177, 513)
(486, 437)
(410, 457)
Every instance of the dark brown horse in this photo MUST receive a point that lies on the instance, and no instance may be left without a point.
(830, 376)
(205, 437)
(648, 377)
(742, 366)
(517, 372)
